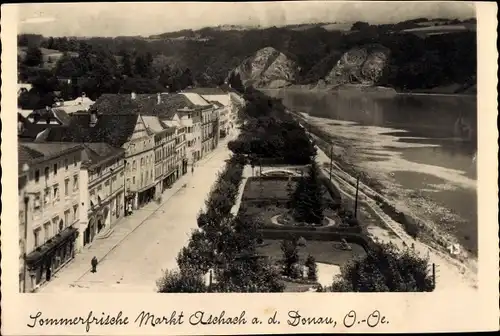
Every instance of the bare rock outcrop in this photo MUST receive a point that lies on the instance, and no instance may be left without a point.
(267, 68)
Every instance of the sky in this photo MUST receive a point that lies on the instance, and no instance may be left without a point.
(132, 19)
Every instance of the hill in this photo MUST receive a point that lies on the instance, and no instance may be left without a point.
(415, 57)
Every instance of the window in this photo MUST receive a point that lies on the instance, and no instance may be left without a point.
(36, 237)
(46, 173)
(133, 179)
(121, 174)
(55, 168)
(75, 212)
(66, 164)
(66, 187)
(75, 161)
(37, 175)
(56, 192)
(75, 183)
(46, 228)
(37, 202)
(66, 216)
(134, 165)
(46, 196)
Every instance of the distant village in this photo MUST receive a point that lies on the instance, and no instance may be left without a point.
(83, 165)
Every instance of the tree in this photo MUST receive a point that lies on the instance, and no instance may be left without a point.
(290, 255)
(312, 268)
(126, 64)
(385, 269)
(307, 201)
(186, 280)
(360, 25)
(33, 57)
(248, 275)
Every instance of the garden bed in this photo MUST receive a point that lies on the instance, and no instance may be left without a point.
(322, 251)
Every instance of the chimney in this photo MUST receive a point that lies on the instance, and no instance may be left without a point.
(132, 95)
(158, 99)
(93, 118)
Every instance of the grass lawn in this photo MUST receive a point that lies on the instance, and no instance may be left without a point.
(292, 287)
(322, 251)
(256, 188)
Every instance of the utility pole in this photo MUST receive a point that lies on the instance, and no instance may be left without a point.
(356, 200)
(434, 275)
(331, 160)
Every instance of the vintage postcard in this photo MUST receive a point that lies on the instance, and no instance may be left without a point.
(249, 167)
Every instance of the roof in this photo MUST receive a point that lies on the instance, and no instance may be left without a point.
(51, 113)
(195, 99)
(153, 123)
(144, 104)
(31, 131)
(69, 109)
(113, 129)
(206, 91)
(217, 103)
(30, 152)
(98, 153)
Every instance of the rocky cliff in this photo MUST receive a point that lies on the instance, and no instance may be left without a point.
(364, 65)
(267, 68)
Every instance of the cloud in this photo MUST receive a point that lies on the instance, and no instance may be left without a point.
(37, 20)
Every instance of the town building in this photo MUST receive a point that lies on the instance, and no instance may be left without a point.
(223, 97)
(102, 192)
(164, 153)
(209, 121)
(107, 122)
(49, 187)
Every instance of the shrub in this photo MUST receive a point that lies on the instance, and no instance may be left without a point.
(385, 269)
(290, 255)
(312, 268)
(301, 241)
(181, 281)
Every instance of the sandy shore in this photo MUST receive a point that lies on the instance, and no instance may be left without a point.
(457, 272)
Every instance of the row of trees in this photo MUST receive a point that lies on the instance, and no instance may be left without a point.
(224, 245)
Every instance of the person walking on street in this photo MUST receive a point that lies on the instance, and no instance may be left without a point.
(94, 264)
(192, 170)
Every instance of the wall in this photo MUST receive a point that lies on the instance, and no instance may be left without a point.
(140, 160)
(46, 217)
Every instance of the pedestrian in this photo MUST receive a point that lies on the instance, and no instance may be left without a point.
(129, 208)
(94, 264)
(192, 170)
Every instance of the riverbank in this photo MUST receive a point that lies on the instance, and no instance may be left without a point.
(431, 239)
(375, 90)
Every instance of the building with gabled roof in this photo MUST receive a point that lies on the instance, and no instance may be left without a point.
(102, 179)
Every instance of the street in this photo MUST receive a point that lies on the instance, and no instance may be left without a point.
(133, 257)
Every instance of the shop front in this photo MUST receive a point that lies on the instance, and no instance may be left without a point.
(184, 166)
(146, 196)
(47, 259)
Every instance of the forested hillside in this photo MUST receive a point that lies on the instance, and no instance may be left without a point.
(423, 55)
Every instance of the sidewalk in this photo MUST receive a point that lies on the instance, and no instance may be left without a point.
(105, 244)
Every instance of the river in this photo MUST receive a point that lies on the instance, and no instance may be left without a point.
(419, 148)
